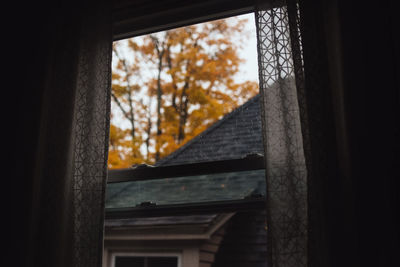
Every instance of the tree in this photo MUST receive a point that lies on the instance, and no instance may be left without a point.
(175, 85)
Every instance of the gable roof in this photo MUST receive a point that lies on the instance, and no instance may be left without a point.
(232, 137)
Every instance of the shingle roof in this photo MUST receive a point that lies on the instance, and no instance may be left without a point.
(185, 190)
(234, 136)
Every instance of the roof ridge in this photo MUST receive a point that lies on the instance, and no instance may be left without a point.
(214, 126)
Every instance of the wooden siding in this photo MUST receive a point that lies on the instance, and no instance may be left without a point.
(209, 248)
(244, 243)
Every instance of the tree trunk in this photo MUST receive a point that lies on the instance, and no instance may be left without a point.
(149, 125)
(183, 112)
(160, 53)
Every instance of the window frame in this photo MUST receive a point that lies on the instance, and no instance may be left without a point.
(148, 172)
(131, 19)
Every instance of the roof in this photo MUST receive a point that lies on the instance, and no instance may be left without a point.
(193, 189)
(186, 227)
(234, 136)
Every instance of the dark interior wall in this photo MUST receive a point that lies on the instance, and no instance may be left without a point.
(26, 53)
(360, 207)
(371, 80)
(31, 45)
(363, 206)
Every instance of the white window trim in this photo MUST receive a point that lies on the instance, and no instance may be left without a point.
(147, 254)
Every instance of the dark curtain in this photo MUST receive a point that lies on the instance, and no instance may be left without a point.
(352, 92)
(319, 136)
(300, 135)
(67, 212)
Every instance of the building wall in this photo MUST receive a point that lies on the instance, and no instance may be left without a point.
(210, 248)
(240, 242)
(244, 244)
(193, 250)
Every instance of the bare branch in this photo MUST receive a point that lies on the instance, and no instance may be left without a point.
(131, 117)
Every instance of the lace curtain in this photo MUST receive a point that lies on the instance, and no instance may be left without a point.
(281, 86)
(91, 134)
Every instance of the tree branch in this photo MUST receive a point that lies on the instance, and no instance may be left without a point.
(131, 116)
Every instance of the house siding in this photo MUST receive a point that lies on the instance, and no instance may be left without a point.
(209, 248)
(244, 243)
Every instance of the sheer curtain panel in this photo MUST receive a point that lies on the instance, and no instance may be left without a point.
(281, 77)
(90, 136)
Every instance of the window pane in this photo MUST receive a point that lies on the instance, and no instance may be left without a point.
(162, 262)
(122, 261)
(194, 189)
(131, 261)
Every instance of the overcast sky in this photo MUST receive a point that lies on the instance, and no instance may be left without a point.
(249, 70)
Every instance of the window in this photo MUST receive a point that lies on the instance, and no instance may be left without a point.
(146, 260)
(205, 182)
(198, 175)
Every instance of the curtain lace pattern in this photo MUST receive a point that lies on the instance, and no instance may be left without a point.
(281, 81)
(90, 138)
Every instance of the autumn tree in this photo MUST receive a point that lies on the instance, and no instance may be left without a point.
(173, 86)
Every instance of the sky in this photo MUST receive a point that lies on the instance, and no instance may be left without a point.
(249, 70)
